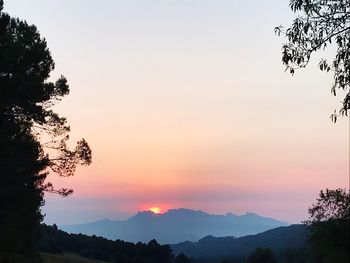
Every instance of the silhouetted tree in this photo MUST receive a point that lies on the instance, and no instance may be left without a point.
(320, 23)
(296, 255)
(329, 226)
(33, 138)
(20, 194)
(262, 256)
(331, 205)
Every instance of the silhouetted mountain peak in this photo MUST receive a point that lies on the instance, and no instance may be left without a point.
(185, 212)
(144, 215)
(177, 225)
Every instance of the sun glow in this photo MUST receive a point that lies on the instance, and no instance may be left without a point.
(155, 210)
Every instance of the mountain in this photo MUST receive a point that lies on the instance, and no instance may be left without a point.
(278, 239)
(176, 225)
(287, 243)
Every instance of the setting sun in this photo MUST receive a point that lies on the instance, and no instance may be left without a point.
(155, 210)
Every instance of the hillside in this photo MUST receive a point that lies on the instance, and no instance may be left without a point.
(55, 241)
(53, 258)
(278, 239)
(176, 225)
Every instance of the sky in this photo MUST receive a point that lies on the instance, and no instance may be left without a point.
(186, 103)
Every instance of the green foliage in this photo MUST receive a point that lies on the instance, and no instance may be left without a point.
(320, 23)
(329, 226)
(26, 119)
(262, 256)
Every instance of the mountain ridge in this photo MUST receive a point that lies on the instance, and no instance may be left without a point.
(176, 225)
(277, 239)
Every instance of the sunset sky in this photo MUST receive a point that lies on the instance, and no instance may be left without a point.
(185, 103)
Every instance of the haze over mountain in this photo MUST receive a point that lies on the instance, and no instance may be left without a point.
(176, 225)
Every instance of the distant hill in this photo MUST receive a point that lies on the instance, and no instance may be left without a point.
(278, 239)
(176, 225)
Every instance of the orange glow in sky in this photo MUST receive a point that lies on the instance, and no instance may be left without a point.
(187, 115)
(155, 210)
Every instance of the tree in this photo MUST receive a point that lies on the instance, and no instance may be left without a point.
(320, 23)
(295, 255)
(20, 194)
(262, 256)
(33, 138)
(331, 205)
(329, 226)
(182, 258)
